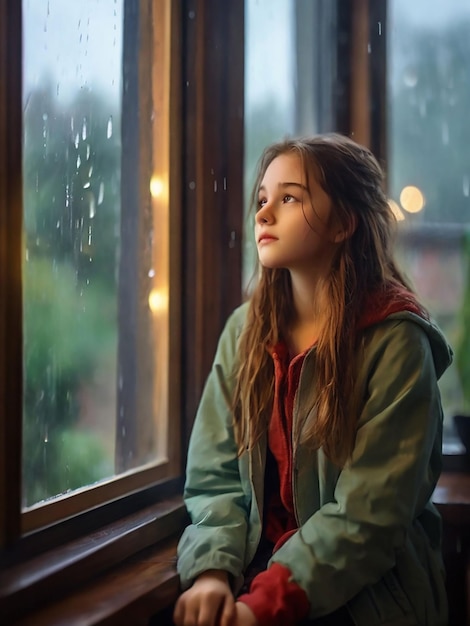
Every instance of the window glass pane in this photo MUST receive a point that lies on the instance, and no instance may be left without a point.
(280, 78)
(429, 165)
(95, 272)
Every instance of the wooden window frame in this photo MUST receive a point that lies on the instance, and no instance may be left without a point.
(360, 92)
(150, 104)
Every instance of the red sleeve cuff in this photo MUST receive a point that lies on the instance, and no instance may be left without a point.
(275, 599)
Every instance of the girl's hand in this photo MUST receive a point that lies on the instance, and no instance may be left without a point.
(209, 602)
(244, 616)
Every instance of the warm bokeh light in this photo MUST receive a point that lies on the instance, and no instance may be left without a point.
(412, 199)
(158, 300)
(156, 186)
(397, 212)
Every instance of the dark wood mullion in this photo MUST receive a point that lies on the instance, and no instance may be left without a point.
(378, 78)
(11, 305)
(231, 205)
(213, 97)
(360, 94)
(342, 85)
(135, 359)
(129, 260)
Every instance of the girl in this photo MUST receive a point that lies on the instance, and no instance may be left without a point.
(317, 443)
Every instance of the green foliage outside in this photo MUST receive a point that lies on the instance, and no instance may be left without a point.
(71, 217)
(462, 357)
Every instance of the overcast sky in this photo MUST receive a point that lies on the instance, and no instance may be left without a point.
(434, 13)
(76, 43)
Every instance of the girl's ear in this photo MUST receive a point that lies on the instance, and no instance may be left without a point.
(344, 233)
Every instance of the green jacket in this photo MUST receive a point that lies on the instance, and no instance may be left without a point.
(369, 536)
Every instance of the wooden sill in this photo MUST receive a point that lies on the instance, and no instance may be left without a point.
(129, 594)
(90, 577)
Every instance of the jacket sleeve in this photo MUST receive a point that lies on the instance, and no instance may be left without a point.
(213, 494)
(352, 541)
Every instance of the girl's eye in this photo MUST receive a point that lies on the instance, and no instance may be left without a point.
(261, 202)
(288, 198)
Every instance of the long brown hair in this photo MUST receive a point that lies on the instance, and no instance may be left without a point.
(363, 263)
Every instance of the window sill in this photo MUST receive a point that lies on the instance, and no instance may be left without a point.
(122, 573)
(129, 594)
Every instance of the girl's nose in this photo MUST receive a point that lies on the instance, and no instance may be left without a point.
(264, 215)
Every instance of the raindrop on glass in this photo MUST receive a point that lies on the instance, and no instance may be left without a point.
(101, 193)
(445, 133)
(466, 186)
(410, 78)
(109, 129)
(423, 108)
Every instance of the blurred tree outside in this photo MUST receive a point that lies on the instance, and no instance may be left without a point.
(462, 356)
(71, 240)
(430, 149)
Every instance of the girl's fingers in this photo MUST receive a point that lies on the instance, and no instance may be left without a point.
(178, 613)
(208, 612)
(244, 616)
(228, 612)
(209, 602)
(185, 613)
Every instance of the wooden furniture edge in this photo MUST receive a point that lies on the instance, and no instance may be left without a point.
(142, 546)
(131, 593)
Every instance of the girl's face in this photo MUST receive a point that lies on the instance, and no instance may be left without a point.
(294, 227)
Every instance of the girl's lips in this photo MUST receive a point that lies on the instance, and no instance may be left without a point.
(266, 239)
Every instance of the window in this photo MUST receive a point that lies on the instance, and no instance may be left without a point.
(270, 93)
(300, 87)
(429, 175)
(96, 294)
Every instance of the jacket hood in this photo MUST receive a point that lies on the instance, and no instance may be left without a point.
(398, 303)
